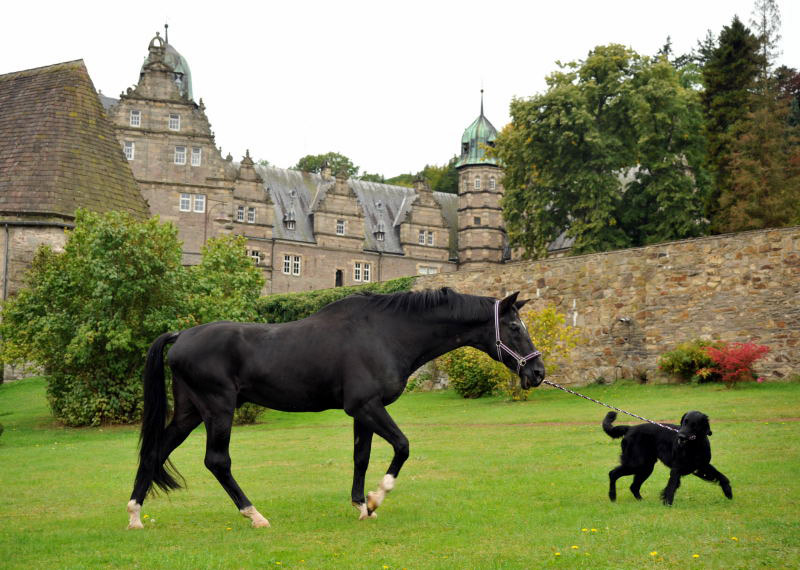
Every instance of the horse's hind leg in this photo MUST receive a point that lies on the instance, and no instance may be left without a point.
(374, 416)
(362, 444)
(184, 420)
(218, 461)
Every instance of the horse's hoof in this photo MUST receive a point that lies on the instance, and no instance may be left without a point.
(364, 512)
(373, 501)
(262, 523)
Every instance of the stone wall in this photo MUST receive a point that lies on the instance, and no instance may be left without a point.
(632, 305)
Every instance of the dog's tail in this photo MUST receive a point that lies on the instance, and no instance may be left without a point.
(613, 431)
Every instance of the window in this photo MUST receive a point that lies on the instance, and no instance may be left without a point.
(291, 264)
(428, 270)
(197, 155)
(339, 278)
(174, 122)
(430, 238)
(130, 147)
(136, 118)
(421, 238)
(200, 203)
(476, 221)
(251, 215)
(295, 265)
(186, 203)
(366, 272)
(380, 234)
(339, 227)
(492, 183)
(240, 214)
(287, 264)
(290, 224)
(180, 155)
(478, 183)
(255, 255)
(357, 271)
(289, 219)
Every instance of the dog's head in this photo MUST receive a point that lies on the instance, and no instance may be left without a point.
(694, 425)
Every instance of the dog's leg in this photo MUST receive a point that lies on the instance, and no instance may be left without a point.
(613, 475)
(710, 473)
(668, 494)
(640, 477)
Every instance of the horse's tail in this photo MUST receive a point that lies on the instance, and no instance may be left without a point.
(154, 417)
(613, 431)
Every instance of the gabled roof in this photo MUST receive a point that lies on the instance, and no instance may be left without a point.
(385, 207)
(58, 151)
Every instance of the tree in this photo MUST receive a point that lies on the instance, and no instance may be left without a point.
(442, 178)
(89, 313)
(367, 177)
(729, 76)
(766, 23)
(612, 153)
(338, 163)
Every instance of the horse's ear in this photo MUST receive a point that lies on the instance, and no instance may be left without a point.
(508, 302)
(683, 417)
(521, 303)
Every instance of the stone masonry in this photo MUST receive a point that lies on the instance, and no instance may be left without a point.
(633, 305)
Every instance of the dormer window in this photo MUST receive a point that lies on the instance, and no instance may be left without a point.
(289, 220)
(380, 234)
(464, 148)
(174, 122)
(136, 118)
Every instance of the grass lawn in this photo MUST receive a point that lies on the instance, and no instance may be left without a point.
(490, 484)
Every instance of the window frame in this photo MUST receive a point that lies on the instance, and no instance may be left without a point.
(251, 219)
(198, 199)
(186, 199)
(287, 264)
(198, 155)
(240, 213)
(357, 271)
(429, 239)
(477, 183)
(129, 146)
(135, 113)
(297, 267)
(176, 125)
(180, 156)
(341, 227)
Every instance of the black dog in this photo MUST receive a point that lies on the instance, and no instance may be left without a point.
(687, 451)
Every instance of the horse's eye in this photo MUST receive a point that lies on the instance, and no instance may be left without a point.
(514, 326)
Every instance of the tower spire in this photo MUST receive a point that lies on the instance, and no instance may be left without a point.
(481, 101)
(166, 32)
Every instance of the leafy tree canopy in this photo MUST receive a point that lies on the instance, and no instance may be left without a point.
(338, 163)
(612, 153)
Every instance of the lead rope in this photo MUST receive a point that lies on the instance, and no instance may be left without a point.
(554, 385)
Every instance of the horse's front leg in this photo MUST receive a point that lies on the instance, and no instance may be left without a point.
(362, 445)
(375, 417)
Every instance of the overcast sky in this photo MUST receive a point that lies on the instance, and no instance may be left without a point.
(392, 85)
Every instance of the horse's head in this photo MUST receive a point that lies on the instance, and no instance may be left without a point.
(512, 344)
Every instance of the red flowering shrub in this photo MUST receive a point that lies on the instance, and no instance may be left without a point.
(734, 361)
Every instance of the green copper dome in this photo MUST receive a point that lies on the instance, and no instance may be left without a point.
(477, 136)
(178, 64)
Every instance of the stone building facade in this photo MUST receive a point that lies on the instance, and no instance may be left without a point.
(633, 305)
(305, 230)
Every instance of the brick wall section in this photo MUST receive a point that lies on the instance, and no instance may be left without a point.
(632, 305)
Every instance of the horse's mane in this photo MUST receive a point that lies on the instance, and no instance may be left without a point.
(460, 306)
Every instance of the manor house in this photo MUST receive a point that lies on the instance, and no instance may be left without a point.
(305, 230)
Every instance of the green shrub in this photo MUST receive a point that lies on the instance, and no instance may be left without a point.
(472, 373)
(247, 413)
(690, 362)
(285, 307)
(89, 313)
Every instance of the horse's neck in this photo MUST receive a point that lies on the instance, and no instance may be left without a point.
(432, 339)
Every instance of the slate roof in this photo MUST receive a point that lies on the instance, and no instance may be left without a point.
(58, 151)
(293, 191)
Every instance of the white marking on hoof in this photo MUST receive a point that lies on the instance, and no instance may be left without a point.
(375, 498)
(134, 510)
(363, 512)
(257, 519)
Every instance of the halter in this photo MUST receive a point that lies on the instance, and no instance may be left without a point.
(521, 360)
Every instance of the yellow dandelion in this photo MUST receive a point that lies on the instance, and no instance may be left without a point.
(278, 563)
(558, 554)
(654, 553)
(584, 530)
(574, 547)
(695, 556)
(385, 567)
(145, 516)
(228, 528)
(734, 538)
(594, 530)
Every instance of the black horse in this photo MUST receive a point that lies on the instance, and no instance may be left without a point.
(355, 354)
